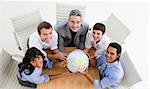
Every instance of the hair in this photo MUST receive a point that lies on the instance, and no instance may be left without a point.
(42, 25)
(118, 47)
(99, 26)
(75, 12)
(30, 55)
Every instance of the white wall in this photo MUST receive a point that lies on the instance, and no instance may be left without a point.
(1, 26)
(148, 27)
(132, 14)
(0, 34)
(13, 9)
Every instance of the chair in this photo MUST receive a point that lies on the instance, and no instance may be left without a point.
(131, 75)
(116, 30)
(24, 25)
(8, 72)
(63, 10)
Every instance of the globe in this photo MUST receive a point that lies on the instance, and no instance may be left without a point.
(77, 61)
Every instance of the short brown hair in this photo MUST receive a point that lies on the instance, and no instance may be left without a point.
(42, 25)
(99, 26)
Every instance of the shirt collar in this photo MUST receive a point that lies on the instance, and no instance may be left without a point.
(112, 64)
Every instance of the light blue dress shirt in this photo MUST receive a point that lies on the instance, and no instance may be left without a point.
(37, 76)
(111, 73)
(49, 63)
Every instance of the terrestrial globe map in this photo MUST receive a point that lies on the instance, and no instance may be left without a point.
(77, 61)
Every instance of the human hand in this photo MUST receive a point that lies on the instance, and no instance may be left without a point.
(62, 56)
(84, 72)
(91, 57)
(61, 64)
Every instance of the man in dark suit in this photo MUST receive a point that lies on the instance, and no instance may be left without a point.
(73, 32)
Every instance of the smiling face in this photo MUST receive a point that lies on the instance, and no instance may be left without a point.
(46, 34)
(74, 22)
(97, 35)
(111, 54)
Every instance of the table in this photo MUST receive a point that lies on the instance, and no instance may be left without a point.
(72, 81)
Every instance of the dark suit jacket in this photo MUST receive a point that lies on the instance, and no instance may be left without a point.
(65, 37)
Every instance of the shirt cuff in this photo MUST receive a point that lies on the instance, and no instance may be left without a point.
(47, 78)
(54, 48)
(97, 84)
(49, 63)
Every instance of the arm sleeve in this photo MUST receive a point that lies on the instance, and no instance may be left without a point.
(37, 77)
(83, 37)
(88, 43)
(111, 80)
(48, 64)
(54, 40)
(97, 84)
(103, 46)
(61, 43)
(101, 60)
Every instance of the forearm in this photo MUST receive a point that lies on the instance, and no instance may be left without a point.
(55, 55)
(93, 62)
(59, 75)
(54, 76)
(89, 78)
(82, 42)
(56, 51)
(86, 50)
(59, 55)
(61, 44)
(81, 45)
(52, 56)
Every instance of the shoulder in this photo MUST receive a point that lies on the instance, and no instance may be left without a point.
(61, 26)
(103, 55)
(106, 39)
(54, 33)
(89, 34)
(118, 69)
(34, 38)
(85, 25)
(33, 34)
(54, 37)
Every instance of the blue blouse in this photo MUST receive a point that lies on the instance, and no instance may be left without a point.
(36, 76)
(111, 73)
